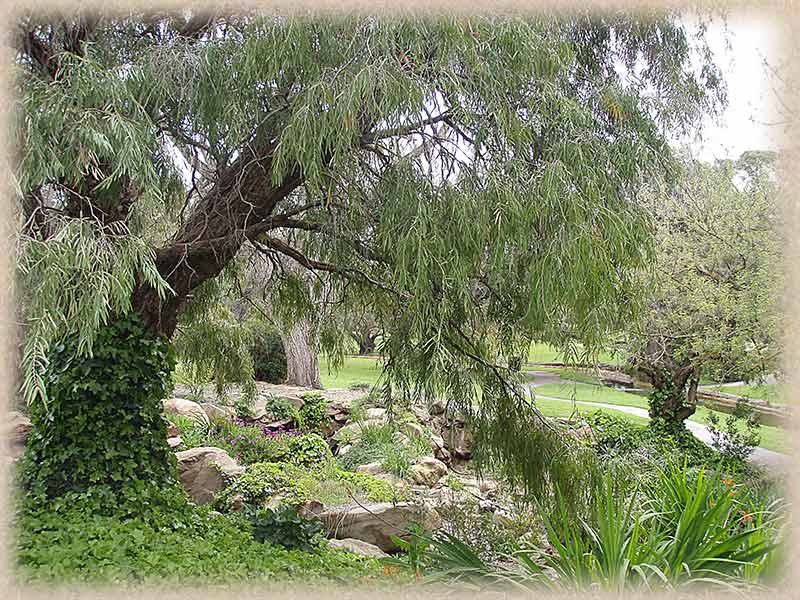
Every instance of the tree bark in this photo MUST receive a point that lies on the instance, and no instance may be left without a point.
(302, 365)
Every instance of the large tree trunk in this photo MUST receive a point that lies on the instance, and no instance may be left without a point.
(674, 395)
(302, 366)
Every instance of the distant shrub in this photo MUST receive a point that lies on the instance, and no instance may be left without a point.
(269, 356)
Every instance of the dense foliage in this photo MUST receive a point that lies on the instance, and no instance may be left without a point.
(269, 356)
(101, 432)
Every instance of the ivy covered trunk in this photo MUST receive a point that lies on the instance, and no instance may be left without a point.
(101, 432)
(674, 396)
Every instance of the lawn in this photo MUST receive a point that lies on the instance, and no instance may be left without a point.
(545, 353)
(356, 369)
(584, 392)
(556, 408)
(773, 393)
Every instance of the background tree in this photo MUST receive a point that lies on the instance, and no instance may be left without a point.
(153, 150)
(715, 309)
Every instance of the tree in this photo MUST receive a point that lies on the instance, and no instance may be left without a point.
(715, 308)
(153, 151)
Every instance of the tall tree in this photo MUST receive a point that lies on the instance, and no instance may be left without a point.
(715, 307)
(153, 150)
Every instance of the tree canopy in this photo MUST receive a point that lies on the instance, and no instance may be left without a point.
(475, 181)
(715, 305)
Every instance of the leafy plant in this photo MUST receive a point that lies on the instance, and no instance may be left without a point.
(284, 527)
(279, 408)
(414, 550)
(738, 437)
(313, 414)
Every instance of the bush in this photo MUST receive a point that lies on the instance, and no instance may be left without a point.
(378, 444)
(307, 450)
(279, 408)
(269, 356)
(101, 433)
(295, 485)
(737, 438)
(314, 413)
(284, 527)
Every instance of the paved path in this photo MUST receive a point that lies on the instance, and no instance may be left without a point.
(774, 461)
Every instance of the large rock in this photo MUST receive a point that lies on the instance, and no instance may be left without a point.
(458, 438)
(428, 471)
(217, 411)
(205, 471)
(357, 547)
(187, 408)
(374, 468)
(376, 523)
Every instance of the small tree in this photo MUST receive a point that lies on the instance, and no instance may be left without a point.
(714, 309)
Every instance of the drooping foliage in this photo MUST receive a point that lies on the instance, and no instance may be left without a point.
(472, 180)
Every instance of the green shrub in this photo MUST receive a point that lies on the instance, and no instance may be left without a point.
(269, 356)
(284, 527)
(263, 480)
(279, 408)
(101, 433)
(307, 450)
(378, 444)
(314, 413)
(295, 485)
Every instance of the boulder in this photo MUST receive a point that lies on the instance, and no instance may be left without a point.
(377, 523)
(357, 547)
(344, 449)
(187, 408)
(174, 441)
(413, 430)
(428, 471)
(374, 468)
(376, 413)
(205, 471)
(458, 438)
(443, 455)
(217, 411)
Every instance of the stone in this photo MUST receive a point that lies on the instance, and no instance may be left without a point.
(310, 509)
(217, 411)
(437, 441)
(206, 470)
(377, 523)
(413, 430)
(376, 413)
(443, 454)
(428, 471)
(458, 439)
(374, 468)
(357, 547)
(344, 449)
(187, 408)
(437, 407)
(174, 442)
(488, 487)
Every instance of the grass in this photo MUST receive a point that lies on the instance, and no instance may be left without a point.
(584, 392)
(773, 393)
(356, 369)
(545, 353)
(564, 410)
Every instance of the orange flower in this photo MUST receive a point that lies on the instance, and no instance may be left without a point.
(728, 481)
(390, 570)
(747, 518)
